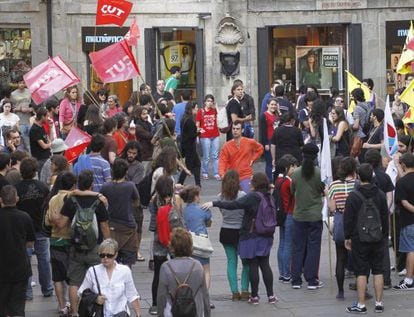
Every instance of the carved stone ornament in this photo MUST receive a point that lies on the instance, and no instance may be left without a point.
(228, 32)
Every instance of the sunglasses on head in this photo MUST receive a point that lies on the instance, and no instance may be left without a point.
(106, 255)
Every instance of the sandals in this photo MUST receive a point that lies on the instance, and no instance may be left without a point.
(140, 258)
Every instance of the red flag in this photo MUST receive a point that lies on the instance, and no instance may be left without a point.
(48, 78)
(112, 12)
(77, 141)
(115, 63)
(410, 44)
(133, 34)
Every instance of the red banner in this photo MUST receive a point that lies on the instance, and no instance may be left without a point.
(133, 34)
(112, 12)
(77, 141)
(48, 78)
(115, 63)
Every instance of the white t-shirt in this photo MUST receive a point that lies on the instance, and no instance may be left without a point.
(9, 121)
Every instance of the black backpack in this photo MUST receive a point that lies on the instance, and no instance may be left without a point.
(280, 209)
(369, 220)
(183, 303)
(144, 189)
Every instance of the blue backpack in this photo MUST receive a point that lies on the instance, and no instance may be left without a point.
(265, 222)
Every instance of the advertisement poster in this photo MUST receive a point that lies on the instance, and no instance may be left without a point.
(320, 66)
(182, 54)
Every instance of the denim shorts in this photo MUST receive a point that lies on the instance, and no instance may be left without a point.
(407, 239)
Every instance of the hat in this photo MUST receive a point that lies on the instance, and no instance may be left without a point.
(58, 145)
(310, 151)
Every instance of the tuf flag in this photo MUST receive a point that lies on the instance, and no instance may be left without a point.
(390, 132)
(408, 94)
(115, 63)
(133, 34)
(77, 141)
(352, 83)
(48, 78)
(407, 54)
(112, 12)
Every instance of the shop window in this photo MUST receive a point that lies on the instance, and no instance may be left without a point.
(15, 53)
(297, 48)
(177, 47)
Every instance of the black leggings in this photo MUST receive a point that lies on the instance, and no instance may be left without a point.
(158, 261)
(341, 262)
(267, 274)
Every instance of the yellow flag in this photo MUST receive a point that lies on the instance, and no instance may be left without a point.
(407, 55)
(408, 95)
(353, 83)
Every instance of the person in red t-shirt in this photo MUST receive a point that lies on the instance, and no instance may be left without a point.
(285, 168)
(206, 121)
(268, 122)
(124, 133)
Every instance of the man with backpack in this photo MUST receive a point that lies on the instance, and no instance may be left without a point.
(365, 229)
(85, 239)
(361, 116)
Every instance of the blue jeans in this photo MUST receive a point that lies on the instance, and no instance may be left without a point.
(269, 165)
(41, 249)
(232, 259)
(245, 185)
(284, 253)
(306, 251)
(210, 150)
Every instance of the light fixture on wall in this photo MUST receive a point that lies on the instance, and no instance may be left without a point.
(204, 15)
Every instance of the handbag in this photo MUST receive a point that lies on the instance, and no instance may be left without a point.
(338, 229)
(87, 305)
(202, 246)
(356, 146)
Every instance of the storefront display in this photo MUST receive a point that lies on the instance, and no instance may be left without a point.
(15, 53)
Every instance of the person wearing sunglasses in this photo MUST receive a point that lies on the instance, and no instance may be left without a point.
(115, 282)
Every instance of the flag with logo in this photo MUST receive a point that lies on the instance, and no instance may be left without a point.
(352, 83)
(133, 34)
(407, 55)
(408, 94)
(390, 132)
(115, 63)
(112, 12)
(77, 142)
(326, 166)
(48, 78)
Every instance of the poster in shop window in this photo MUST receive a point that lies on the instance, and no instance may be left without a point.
(319, 66)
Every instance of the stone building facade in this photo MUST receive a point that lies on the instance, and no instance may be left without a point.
(216, 41)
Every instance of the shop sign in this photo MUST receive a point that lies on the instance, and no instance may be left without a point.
(396, 32)
(341, 4)
(330, 57)
(96, 38)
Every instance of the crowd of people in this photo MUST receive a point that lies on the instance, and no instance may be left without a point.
(139, 158)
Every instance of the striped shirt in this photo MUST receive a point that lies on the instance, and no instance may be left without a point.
(101, 171)
(339, 191)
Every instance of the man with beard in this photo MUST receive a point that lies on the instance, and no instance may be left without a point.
(135, 174)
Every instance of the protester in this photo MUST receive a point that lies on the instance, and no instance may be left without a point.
(68, 110)
(366, 256)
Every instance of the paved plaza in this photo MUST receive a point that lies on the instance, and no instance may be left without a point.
(292, 302)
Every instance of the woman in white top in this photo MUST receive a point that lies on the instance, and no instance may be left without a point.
(8, 119)
(115, 281)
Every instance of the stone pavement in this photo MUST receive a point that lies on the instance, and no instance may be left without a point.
(298, 303)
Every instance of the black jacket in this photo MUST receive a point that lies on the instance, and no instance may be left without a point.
(353, 205)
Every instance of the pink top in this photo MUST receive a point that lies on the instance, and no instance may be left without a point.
(66, 114)
(111, 112)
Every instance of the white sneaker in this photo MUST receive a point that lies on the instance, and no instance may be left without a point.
(402, 273)
(33, 284)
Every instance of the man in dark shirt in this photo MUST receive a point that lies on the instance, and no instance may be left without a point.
(40, 142)
(234, 108)
(160, 92)
(366, 256)
(4, 168)
(404, 199)
(32, 194)
(79, 260)
(376, 134)
(16, 234)
(384, 183)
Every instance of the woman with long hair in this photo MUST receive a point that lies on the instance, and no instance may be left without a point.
(340, 133)
(189, 133)
(68, 110)
(58, 165)
(229, 235)
(268, 122)
(337, 194)
(310, 73)
(253, 247)
(206, 121)
(307, 220)
(144, 134)
(8, 119)
(93, 120)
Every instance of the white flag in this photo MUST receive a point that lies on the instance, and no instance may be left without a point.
(390, 132)
(326, 166)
